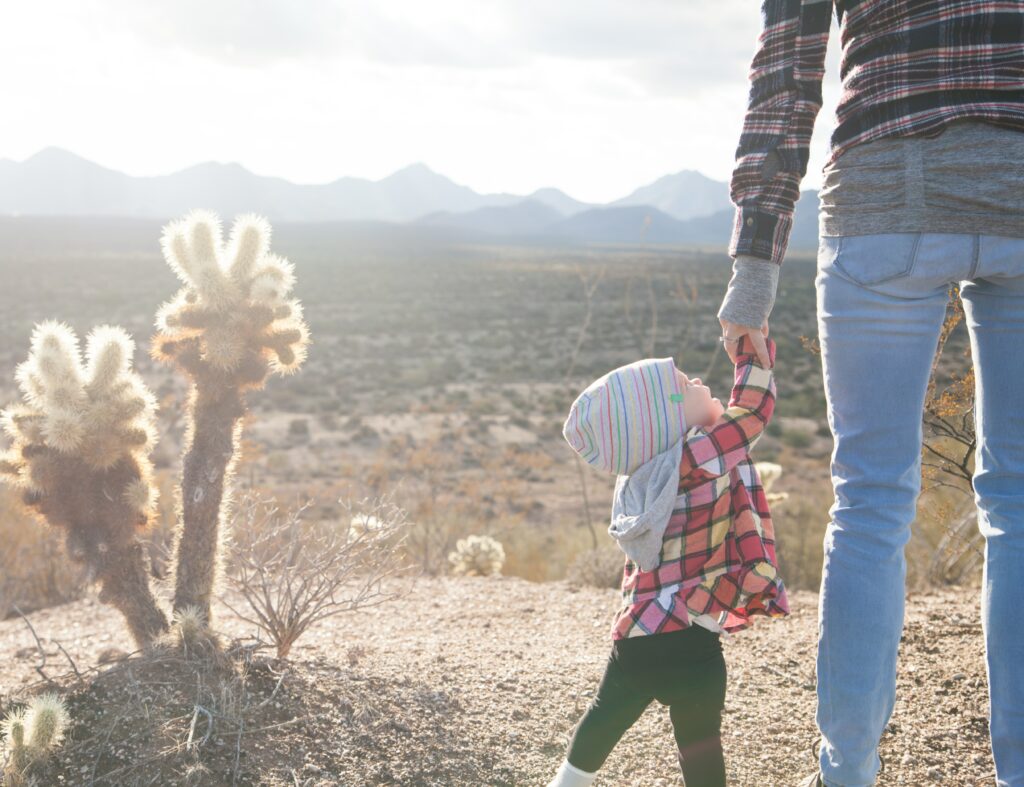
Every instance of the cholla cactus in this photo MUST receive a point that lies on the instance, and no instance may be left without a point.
(45, 722)
(769, 473)
(477, 555)
(191, 635)
(31, 734)
(228, 328)
(13, 730)
(80, 455)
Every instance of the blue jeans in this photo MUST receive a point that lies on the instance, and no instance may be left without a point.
(881, 301)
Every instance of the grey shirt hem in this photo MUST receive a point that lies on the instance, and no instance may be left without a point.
(868, 223)
(968, 179)
(965, 180)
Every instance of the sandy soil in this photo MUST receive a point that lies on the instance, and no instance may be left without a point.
(480, 681)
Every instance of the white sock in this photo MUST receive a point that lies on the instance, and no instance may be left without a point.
(570, 776)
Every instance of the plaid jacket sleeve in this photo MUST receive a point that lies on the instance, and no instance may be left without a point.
(785, 97)
(715, 450)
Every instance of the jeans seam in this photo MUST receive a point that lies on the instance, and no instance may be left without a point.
(828, 660)
(913, 254)
(974, 262)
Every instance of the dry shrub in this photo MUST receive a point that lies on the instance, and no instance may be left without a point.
(431, 535)
(35, 570)
(799, 529)
(294, 574)
(947, 546)
(600, 567)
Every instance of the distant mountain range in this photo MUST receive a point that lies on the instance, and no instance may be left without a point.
(685, 207)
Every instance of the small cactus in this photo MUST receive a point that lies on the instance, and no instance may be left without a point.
(191, 635)
(45, 721)
(32, 733)
(477, 555)
(188, 625)
(80, 454)
(13, 729)
(228, 328)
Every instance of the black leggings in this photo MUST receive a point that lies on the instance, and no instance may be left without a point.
(683, 669)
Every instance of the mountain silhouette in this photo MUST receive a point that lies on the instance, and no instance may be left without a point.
(684, 207)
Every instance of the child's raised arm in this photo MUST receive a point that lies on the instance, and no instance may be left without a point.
(713, 451)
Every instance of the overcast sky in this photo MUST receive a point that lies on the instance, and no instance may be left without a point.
(594, 97)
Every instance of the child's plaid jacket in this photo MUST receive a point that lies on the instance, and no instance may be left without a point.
(717, 565)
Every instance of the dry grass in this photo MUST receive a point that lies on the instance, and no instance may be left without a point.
(35, 570)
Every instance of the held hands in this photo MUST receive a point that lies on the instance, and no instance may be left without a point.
(755, 337)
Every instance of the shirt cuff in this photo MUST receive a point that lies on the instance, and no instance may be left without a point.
(750, 295)
(759, 234)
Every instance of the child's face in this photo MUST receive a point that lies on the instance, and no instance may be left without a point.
(699, 407)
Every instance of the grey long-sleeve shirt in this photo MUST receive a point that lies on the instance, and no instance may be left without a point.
(968, 179)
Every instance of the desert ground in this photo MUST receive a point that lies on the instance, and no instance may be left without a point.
(479, 680)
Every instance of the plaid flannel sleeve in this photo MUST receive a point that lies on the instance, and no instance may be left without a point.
(715, 450)
(774, 147)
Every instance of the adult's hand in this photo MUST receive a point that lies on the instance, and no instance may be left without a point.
(734, 330)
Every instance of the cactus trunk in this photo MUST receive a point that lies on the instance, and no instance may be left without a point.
(206, 493)
(125, 586)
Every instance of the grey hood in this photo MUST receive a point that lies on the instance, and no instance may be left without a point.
(642, 505)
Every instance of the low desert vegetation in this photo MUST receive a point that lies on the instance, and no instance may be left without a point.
(294, 574)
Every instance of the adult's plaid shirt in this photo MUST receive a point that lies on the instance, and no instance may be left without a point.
(909, 67)
(717, 565)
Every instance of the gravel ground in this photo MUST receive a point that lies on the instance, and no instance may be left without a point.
(480, 681)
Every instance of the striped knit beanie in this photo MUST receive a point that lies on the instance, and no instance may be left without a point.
(627, 416)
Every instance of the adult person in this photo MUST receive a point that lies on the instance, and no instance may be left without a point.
(923, 189)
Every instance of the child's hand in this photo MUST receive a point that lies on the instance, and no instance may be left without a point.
(751, 340)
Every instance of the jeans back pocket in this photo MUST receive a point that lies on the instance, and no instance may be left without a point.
(871, 259)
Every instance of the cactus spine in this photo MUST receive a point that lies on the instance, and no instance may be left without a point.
(80, 454)
(228, 328)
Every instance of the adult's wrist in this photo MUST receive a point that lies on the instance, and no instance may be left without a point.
(750, 295)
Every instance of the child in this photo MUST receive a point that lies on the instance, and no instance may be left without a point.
(692, 517)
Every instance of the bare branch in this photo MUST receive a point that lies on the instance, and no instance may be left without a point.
(293, 574)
